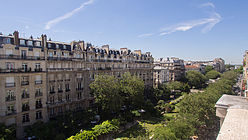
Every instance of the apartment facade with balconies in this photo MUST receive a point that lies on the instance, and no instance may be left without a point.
(42, 79)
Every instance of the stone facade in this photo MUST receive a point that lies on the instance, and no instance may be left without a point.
(175, 66)
(42, 78)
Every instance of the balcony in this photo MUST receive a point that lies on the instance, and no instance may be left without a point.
(60, 80)
(10, 98)
(52, 92)
(79, 88)
(26, 120)
(25, 108)
(38, 94)
(38, 69)
(25, 96)
(37, 106)
(60, 90)
(51, 81)
(24, 83)
(7, 85)
(21, 57)
(19, 70)
(10, 112)
(26, 69)
(67, 90)
(38, 82)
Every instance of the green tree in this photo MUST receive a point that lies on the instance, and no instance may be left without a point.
(208, 68)
(164, 133)
(176, 85)
(7, 133)
(213, 74)
(132, 90)
(195, 79)
(106, 91)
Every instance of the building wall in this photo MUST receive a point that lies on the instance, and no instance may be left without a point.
(57, 68)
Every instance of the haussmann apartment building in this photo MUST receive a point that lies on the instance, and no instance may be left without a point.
(41, 79)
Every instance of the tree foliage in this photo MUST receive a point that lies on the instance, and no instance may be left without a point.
(111, 94)
(106, 127)
(208, 68)
(195, 79)
(7, 133)
(213, 74)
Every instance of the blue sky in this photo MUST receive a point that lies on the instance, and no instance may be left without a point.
(188, 29)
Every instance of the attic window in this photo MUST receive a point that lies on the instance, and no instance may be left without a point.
(57, 46)
(64, 46)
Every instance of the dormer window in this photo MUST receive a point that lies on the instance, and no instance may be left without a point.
(7, 41)
(57, 46)
(49, 45)
(64, 46)
(30, 43)
(22, 42)
(37, 43)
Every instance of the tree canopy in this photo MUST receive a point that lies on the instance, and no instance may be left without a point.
(213, 74)
(195, 79)
(208, 68)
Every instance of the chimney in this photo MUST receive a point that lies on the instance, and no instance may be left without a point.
(137, 52)
(16, 38)
(43, 41)
(106, 48)
(81, 44)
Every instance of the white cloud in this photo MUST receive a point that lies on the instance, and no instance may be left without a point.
(145, 35)
(208, 24)
(51, 23)
(208, 4)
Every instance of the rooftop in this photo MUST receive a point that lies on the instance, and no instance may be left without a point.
(234, 126)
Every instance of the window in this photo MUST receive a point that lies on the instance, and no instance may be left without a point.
(10, 82)
(10, 66)
(52, 100)
(54, 52)
(24, 80)
(67, 97)
(25, 107)
(38, 104)
(37, 43)
(10, 95)
(67, 87)
(79, 95)
(10, 109)
(24, 54)
(30, 43)
(57, 46)
(37, 65)
(8, 52)
(39, 114)
(49, 45)
(25, 93)
(38, 79)
(50, 54)
(60, 88)
(7, 40)
(60, 98)
(52, 89)
(37, 54)
(22, 42)
(25, 118)
(38, 92)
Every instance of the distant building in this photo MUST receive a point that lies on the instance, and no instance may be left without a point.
(160, 75)
(175, 66)
(199, 68)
